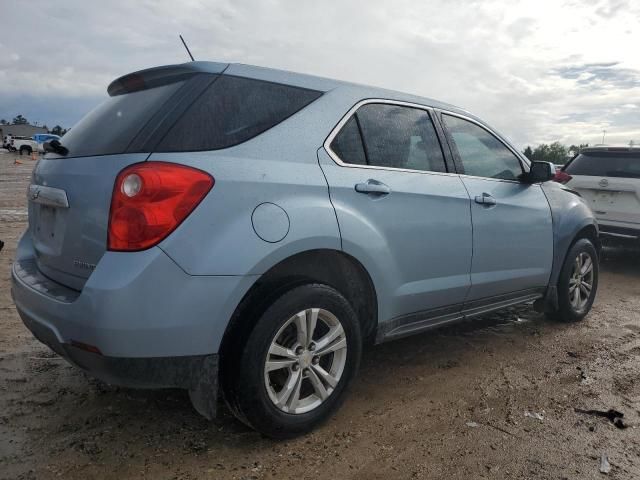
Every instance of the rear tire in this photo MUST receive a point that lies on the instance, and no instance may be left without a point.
(297, 362)
(25, 150)
(578, 282)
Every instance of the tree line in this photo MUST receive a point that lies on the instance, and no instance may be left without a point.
(555, 152)
(21, 120)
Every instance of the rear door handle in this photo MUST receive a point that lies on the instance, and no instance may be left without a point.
(485, 199)
(373, 186)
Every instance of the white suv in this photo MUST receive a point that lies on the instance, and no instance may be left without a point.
(609, 179)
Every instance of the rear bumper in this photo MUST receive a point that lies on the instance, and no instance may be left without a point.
(134, 305)
(160, 372)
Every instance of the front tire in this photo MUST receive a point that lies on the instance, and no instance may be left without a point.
(297, 362)
(578, 282)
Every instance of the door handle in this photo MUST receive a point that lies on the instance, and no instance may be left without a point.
(485, 199)
(373, 186)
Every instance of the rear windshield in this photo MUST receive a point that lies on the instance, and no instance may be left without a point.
(230, 111)
(234, 110)
(606, 165)
(111, 126)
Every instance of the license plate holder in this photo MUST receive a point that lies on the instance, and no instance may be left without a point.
(47, 229)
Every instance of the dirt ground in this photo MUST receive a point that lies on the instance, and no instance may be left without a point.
(449, 404)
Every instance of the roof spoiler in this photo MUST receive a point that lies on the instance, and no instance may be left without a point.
(606, 149)
(157, 76)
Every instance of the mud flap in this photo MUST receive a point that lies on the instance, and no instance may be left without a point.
(548, 303)
(204, 388)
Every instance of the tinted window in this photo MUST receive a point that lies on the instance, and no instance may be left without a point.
(400, 137)
(482, 154)
(348, 143)
(233, 110)
(110, 127)
(605, 165)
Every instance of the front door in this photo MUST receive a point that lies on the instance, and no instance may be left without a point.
(400, 212)
(512, 229)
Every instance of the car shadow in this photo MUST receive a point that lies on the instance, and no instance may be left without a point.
(621, 258)
(438, 349)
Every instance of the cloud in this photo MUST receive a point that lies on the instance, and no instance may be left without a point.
(538, 71)
(601, 75)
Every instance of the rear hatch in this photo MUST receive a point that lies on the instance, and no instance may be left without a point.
(610, 182)
(71, 189)
(182, 108)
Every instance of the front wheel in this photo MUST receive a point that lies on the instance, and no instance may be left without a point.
(297, 362)
(578, 282)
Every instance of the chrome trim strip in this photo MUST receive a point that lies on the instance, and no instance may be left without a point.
(52, 197)
(619, 235)
(327, 143)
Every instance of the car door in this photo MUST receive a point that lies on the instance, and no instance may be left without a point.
(512, 229)
(400, 212)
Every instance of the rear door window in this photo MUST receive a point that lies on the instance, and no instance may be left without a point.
(400, 137)
(393, 136)
(605, 165)
(482, 154)
(233, 110)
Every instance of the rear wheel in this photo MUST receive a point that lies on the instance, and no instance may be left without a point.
(25, 150)
(297, 362)
(578, 282)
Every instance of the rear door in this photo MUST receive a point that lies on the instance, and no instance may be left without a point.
(610, 182)
(399, 210)
(512, 229)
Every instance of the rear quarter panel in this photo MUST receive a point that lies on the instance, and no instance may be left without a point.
(280, 166)
(218, 238)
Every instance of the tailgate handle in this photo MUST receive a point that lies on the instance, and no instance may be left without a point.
(52, 197)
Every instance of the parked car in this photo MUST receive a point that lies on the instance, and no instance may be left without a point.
(221, 225)
(41, 138)
(24, 145)
(609, 179)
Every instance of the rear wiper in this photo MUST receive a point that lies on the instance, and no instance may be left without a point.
(56, 147)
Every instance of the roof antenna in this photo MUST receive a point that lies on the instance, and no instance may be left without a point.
(185, 46)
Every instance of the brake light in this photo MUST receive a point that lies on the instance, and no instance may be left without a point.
(562, 177)
(150, 200)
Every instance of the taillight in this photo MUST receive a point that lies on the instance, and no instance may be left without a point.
(562, 177)
(150, 200)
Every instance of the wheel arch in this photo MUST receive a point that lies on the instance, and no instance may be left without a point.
(331, 267)
(589, 232)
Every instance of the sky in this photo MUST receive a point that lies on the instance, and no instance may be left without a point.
(538, 71)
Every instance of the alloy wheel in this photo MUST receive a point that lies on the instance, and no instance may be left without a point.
(581, 281)
(305, 361)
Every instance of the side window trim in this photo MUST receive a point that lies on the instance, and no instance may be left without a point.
(454, 149)
(447, 155)
(447, 150)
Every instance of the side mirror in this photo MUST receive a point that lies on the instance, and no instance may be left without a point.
(541, 172)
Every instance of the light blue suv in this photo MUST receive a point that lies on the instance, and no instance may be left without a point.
(235, 229)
